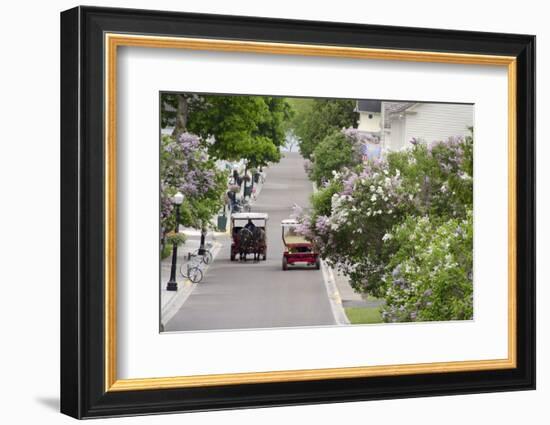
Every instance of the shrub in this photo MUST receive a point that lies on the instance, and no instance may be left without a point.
(333, 153)
(429, 276)
(358, 207)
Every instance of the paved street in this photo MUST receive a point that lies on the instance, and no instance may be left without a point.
(237, 295)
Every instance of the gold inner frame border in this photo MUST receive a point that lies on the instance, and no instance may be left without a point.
(112, 41)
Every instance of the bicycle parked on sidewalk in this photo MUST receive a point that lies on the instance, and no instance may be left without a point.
(192, 268)
(206, 257)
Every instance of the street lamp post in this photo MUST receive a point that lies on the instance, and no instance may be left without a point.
(172, 284)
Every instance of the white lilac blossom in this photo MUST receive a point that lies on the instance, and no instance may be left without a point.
(370, 203)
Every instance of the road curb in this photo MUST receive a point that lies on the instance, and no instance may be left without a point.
(334, 297)
(332, 289)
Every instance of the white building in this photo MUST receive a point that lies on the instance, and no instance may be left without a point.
(370, 116)
(396, 123)
(427, 121)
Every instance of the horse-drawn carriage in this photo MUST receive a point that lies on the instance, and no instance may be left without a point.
(298, 250)
(248, 235)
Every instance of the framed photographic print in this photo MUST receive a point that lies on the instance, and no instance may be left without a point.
(261, 212)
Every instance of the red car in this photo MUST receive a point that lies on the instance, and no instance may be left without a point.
(298, 250)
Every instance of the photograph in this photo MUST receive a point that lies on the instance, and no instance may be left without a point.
(281, 212)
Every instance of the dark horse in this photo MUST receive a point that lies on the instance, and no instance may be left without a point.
(246, 242)
(259, 246)
(252, 242)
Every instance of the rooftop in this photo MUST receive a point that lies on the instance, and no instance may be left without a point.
(393, 108)
(369, 106)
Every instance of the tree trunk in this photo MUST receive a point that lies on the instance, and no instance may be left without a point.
(182, 114)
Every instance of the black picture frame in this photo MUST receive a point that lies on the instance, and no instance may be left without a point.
(83, 392)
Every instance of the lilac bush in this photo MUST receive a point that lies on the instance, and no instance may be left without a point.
(354, 215)
(429, 276)
(349, 229)
(186, 167)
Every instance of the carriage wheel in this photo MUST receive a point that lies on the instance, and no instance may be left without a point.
(285, 264)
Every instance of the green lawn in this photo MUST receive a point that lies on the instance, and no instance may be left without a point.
(166, 251)
(363, 315)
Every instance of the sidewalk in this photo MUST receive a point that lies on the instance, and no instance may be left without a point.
(171, 301)
(257, 189)
(359, 308)
(351, 298)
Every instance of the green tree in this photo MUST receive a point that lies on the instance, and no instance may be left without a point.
(274, 125)
(234, 127)
(316, 119)
(333, 153)
(264, 145)
(228, 123)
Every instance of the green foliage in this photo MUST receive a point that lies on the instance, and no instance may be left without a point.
(197, 211)
(166, 250)
(241, 127)
(429, 274)
(315, 119)
(274, 124)
(231, 121)
(355, 216)
(321, 200)
(260, 151)
(333, 153)
(439, 176)
(300, 107)
(175, 239)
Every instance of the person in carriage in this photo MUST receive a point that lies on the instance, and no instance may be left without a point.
(250, 226)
